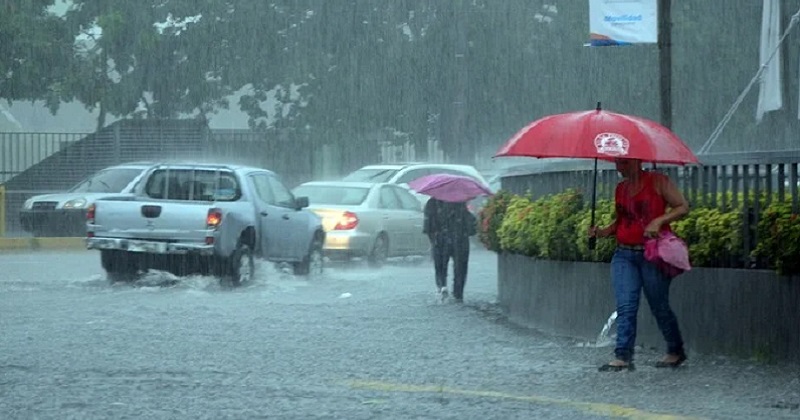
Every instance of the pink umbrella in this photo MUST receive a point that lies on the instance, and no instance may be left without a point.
(447, 187)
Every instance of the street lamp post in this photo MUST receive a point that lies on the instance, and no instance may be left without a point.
(665, 60)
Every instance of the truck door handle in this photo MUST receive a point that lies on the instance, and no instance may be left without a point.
(264, 213)
(285, 217)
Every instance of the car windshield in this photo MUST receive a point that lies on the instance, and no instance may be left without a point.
(108, 180)
(371, 175)
(332, 195)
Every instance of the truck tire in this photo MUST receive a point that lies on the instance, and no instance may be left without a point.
(239, 267)
(120, 266)
(313, 263)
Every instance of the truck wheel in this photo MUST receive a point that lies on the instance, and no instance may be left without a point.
(240, 266)
(380, 252)
(120, 266)
(313, 263)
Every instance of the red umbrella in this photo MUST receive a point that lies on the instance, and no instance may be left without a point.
(598, 134)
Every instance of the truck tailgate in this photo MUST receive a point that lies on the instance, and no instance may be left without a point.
(154, 220)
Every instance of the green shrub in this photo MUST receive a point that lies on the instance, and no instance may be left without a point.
(779, 239)
(490, 218)
(557, 224)
(516, 230)
(714, 236)
(555, 227)
(604, 215)
(543, 228)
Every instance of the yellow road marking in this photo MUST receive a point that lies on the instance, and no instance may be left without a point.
(42, 243)
(611, 410)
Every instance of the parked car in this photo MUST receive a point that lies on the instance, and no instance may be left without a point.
(361, 219)
(402, 174)
(64, 214)
(208, 219)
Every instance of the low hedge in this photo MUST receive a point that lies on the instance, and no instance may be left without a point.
(555, 227)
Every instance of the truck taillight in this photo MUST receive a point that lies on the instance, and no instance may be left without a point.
(348, 220)
(214, 218)
(90, 212)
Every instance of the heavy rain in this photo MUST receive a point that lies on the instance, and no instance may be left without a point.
(239, 209)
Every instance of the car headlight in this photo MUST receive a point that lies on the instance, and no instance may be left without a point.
(77, 203)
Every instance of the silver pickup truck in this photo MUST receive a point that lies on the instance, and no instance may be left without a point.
(206, 219)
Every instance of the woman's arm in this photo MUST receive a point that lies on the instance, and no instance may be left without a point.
(605, 232)
(679, 207)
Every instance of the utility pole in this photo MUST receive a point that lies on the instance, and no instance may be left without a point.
(459, 132)
(665, 60)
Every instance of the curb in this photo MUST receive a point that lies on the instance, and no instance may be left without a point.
(42, 243)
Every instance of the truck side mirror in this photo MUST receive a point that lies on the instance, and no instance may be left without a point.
(301, 202)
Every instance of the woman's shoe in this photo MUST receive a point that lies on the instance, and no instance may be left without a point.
(608, 367)
(681, 358)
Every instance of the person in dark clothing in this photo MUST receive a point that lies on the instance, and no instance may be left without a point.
(449, 226)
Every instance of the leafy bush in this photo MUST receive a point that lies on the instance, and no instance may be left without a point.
(515, 233)
(542, 228)
(558, 224)
(555, 227)
(490, 218)
(604, 215)
(779, 239)
(714, 236)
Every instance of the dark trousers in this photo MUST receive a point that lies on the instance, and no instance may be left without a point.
(456, 248)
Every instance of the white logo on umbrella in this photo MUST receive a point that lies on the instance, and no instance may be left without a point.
(611, 144)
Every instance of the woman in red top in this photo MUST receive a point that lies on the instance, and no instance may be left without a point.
(642, 199)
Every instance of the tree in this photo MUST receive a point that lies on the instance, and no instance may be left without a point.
(34, 48)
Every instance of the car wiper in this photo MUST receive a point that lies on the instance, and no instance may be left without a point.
(378, 174)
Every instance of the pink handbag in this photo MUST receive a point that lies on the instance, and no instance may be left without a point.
(669, 253)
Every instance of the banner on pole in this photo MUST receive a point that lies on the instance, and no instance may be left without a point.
(623, 22)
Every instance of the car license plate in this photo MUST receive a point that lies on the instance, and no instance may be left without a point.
(154, 247)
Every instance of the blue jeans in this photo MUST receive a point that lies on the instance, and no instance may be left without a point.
(630, 274)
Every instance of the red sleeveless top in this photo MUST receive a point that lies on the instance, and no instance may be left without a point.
(635, 212)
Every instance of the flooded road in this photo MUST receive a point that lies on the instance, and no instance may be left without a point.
(355, 343)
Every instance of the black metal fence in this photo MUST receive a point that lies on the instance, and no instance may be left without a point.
(732, 181)
(39, 163)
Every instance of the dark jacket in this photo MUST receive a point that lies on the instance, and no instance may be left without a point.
(448, 219)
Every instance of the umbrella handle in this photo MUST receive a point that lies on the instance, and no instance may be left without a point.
(593, 239)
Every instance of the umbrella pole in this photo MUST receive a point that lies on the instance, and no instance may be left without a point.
(593, 239)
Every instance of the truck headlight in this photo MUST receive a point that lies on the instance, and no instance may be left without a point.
(77, 203)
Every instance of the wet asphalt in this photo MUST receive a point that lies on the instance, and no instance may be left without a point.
(354, 343)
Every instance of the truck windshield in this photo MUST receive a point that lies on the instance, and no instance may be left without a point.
(193, 185)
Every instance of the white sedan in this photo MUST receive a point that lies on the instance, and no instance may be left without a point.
(372, 220)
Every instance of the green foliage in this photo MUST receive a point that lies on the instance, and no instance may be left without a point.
(714, 236)
(35, 48)
(604, 215)
(779, 239)
(556, 227)
(515, 232)
(490, 218)
(543, 228)
(559, 219)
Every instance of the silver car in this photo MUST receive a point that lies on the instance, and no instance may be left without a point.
(64, 214)
(363, 219)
